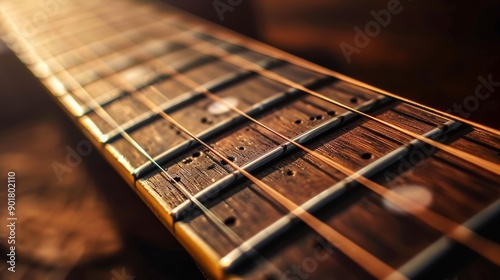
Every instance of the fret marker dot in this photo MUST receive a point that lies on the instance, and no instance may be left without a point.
(219, 108)
(230, 221)
(366, 156)
(418, 194)
(206, 121)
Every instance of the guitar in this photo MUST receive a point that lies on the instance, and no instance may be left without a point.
(263, 165)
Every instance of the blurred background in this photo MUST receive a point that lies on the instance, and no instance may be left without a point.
(91, 225)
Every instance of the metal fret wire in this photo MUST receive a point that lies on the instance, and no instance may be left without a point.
(266, 128)
(230, 234)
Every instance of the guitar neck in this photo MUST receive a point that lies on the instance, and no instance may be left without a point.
(261, 164)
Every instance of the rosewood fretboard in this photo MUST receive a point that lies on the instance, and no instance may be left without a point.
(96, 60)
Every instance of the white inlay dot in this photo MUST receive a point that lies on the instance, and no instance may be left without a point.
(135, 73)
(219, 108)
(420, 195)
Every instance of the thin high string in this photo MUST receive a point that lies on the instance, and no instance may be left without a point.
(363, 258)
(280, 54)
(250, 66)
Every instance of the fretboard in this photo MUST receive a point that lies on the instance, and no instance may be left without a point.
(191, 115)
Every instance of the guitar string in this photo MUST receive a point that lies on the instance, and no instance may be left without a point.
(228, 232)
(377, 267)
(360, 256)
(259, 47)
(250, 66)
